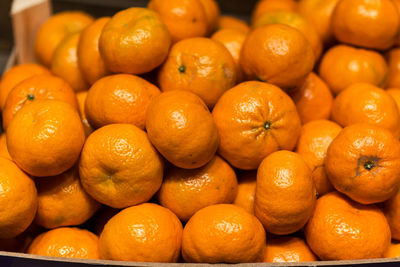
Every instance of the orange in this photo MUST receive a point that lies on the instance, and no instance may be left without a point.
(81, 96)
(341, 229)
(223, 233)
(288, 249)
(233, 40)
(319, 14)
(313, 99)
(182, 129)
(255, 119)
(119, 167)
(43, 86)
(188, 18)
(264, 58)
(211, 10)
(352, 65)
(3, 147)
(185, 192)
(62, 201)
(230, 22)
(45, 137)
(363, 162)
(15, 75)
(393, 58)
(264, 6)
(285, 193)
(18, 200)
(147, 232)
(246, 191)
(90, 63)
(200, 65)
(134, 41)
(315, 138)
(55, 29)
(392, 213)
(119, 98)
(67, 243)
(362, 102)
(184, 19)
(393, 251)
(65, 63)
(295, 20)
(365, 23)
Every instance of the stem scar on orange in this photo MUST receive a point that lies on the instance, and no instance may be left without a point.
(363, 162)
(255, 119)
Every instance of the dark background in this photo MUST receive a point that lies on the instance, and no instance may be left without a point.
(97, 8)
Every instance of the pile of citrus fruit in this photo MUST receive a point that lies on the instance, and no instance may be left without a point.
(175, 134)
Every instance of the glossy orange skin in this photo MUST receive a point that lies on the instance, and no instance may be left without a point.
(200, 65)
(313, 99)
(362, 102)
(352, 65)
(393, 59)
(185, 192)
(43, 86)
(285, 193)
(370, 24)
(241, 116)
(65, 63)
(81, 96)
(246, 191)
(62, 201)
(223, 233)
(319, 14)
(45, 137)
(264, 6)
(278, 54)
(348, 159)
(15, 75)
(119, 98)
(3, 147)
(55, 29)
(295, 20)
(184, 19)
(230, 22)
(145, 233)
(182, 129)
(134, 41)
(392, 213)
(393, 251)
(341, 229)
(315, 138)
(18, 200)
(288, 249)
(119, 167)
(233, 41)
(90, 62)
(66, 243)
